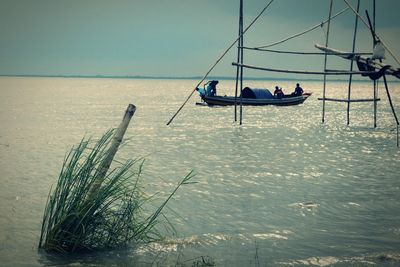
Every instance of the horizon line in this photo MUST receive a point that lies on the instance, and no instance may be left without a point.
(151, 77)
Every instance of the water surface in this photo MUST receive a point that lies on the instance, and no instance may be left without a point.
(283, 189)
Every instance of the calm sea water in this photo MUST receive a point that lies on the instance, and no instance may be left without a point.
(283, 189)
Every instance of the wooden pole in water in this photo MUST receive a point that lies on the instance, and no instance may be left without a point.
(392, 107)
(351, 65)
(373, 14)
(241, 60)
(325, 62)
(116, 141)
(375, 81)
(375, 102)
(238, 60)
(236, 87)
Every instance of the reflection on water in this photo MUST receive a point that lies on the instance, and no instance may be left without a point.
(282, 189)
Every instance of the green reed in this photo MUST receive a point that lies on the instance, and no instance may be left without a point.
(76, 219)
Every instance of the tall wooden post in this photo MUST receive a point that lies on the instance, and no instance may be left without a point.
(116, 141)
(241, 60)
(375, 81)
(375, 102)
(351, 65)
(240, 50)
(325, 62)
(392, 107)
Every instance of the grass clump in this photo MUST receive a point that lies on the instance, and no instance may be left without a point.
(78, 218)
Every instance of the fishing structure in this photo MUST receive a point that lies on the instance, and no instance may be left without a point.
(369, 65)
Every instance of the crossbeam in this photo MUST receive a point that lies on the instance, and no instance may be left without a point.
(347, 100)
(305, 53)
(305, 71)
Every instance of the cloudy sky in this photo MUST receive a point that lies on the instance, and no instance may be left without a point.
(172, 37)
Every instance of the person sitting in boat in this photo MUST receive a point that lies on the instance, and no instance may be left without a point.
(298, 91)
(278, 93)
(201, 92)
(211, 89)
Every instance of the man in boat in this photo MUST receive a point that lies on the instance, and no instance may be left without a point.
(201, 92)
(298, 91)
(278, 93)
(211, 88)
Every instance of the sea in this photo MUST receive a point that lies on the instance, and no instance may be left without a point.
(281, 189)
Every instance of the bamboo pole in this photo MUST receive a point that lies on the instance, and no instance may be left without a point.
(375, 81)
(238, 57)
(327, 72)
(237, 84)
(374, 14)
(106, 163)
(390, 100)
(241, 61)
(375, 102)
(325, 62)
(346, 100)
(392, 107)
(307, 53)
(351, 64)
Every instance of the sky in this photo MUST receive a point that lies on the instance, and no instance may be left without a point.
(178, 38)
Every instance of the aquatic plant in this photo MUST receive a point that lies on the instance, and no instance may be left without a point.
(203, 261)
(84, 214)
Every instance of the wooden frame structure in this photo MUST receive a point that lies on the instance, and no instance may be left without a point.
(369, 66)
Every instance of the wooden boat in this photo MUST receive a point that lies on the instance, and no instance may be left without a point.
(230, 100)
(255, 97)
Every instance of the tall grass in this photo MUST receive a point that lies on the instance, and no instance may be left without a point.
(76, 219)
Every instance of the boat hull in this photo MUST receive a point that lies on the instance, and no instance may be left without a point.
(230, 100)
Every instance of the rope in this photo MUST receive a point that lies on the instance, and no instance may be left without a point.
(304, 53)
(380, 39)
(306, 31)
(219, 59)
